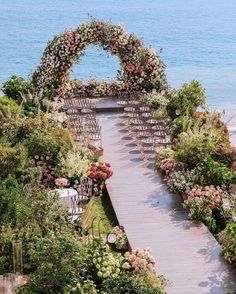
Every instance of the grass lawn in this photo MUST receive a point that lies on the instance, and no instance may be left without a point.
(99, 208)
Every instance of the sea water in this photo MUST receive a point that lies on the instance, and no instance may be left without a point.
(197, 39)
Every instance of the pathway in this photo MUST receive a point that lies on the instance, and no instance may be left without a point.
(186, 253)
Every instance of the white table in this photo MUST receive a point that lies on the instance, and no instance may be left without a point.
(67, 196)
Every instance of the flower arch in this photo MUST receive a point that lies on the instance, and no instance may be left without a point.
(141, 67)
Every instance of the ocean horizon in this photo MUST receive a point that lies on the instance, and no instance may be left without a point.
(197, 40)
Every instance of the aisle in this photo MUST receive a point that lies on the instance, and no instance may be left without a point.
(186, 253)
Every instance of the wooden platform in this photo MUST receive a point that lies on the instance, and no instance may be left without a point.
(186, 252)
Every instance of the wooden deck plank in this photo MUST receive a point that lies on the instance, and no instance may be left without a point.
(186, 252)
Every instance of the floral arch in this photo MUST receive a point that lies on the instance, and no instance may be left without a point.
(141, 67)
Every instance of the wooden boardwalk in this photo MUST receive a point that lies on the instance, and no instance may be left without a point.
(186, 253)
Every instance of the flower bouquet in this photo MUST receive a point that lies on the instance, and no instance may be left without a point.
(99, 172)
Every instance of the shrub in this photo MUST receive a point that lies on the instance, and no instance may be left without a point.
(168, 165)
(12, 159)
(128, 285)
(163, 154)
(201, 201)
(15, 87)
(194, 147)
(48, 145)
(186, 99)
(75, 164)
(155, 100)
(12, 202)
(148, 278)
(103, 262)
(28, 215)
(139, 260)
(228, 240)
(59, 260)
(181, 181)
(229, 206)
(214, 173)
(9, 109)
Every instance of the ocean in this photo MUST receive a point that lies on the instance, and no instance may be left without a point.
(197, 39)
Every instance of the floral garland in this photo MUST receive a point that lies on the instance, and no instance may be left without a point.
(142, 69)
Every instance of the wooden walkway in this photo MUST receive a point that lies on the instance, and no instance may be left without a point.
(186, 253)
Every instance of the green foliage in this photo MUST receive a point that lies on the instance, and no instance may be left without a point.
(194, 146)
(147, 278)
(47, 144)
(155, 100)
(228, 240)
(60, 265)
(100, 208)
(12, 202)
(12, 159)
(200, 210)
(214, 173)
(22, 129)
(182, 181)
(103, 262)
(128, 285)
(9, 109)
(163, 154)
(15, 87)
(186, 99)
(75, 164)
(28, 214)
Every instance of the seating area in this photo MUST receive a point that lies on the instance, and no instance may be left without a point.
(81, 121)
(147, 131)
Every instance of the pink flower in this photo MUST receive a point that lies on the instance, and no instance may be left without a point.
(91, 175)
(130, 67)
(61, 182)
(93, 168)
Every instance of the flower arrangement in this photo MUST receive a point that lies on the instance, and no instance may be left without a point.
(96, 88)
(142, 69)
(99, 172)
(61, 182)
(121, 241)
(139, 260)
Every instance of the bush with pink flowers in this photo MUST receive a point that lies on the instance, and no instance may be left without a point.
(139, 260)
(99, 172)
(168, 165)
(201, 201)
